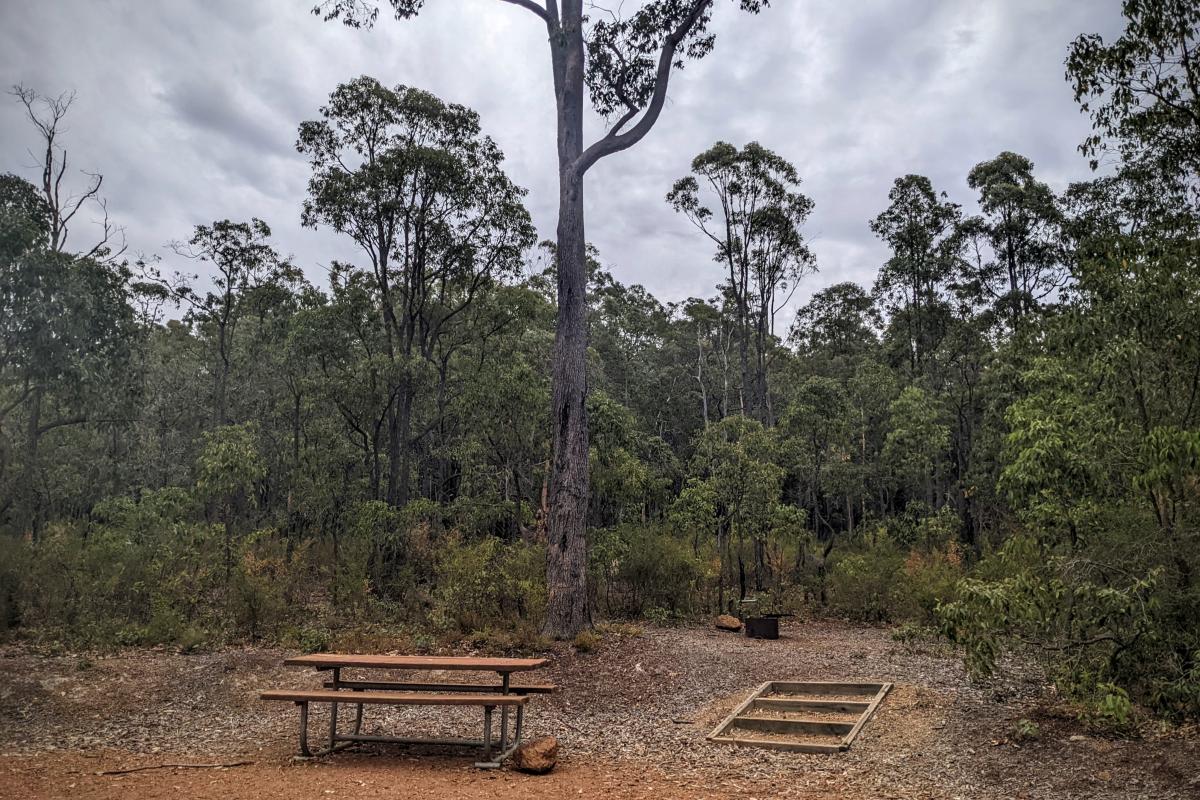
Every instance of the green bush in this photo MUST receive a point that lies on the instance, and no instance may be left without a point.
(639, 568)
(1111, 629)
(862, 585)
(258, 595)
(488, 583)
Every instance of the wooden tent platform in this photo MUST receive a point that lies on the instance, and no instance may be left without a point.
(802, 716)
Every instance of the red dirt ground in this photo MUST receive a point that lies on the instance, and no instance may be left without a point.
(631, 718)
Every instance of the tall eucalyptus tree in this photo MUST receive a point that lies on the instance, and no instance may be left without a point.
(756, 231)
(1020, 230)
(922, 229)
(422, 192)
(243, 261)
(625, 62)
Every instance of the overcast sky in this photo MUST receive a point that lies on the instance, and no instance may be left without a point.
(190, 111)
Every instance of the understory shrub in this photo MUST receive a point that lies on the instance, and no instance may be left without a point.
(636, 569)
(488, 583)
(1110, 625)
(886, 584)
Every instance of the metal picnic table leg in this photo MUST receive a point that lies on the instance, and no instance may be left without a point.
(337, 675)
(358, 718)
(504, 712)
(487, 734)
(304, 751)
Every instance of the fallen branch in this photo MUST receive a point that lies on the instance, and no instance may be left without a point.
(174, 766)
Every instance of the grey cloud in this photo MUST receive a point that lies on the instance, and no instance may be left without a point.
(191, 111)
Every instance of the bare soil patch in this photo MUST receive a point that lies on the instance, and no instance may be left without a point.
(631, 718)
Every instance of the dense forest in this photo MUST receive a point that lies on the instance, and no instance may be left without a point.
(997, 442)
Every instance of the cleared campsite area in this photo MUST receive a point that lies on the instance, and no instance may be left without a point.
(631, 716)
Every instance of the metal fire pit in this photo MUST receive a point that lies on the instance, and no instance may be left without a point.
(764, 626)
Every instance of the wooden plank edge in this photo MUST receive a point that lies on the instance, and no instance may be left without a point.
(396, 686)
(795, 747)
(816, 727)
(328, 661)
(866, 715)
(737, 712)
(854, 707)
(864, 689)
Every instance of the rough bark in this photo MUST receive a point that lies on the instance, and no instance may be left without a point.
(567, 608)
(31, 497)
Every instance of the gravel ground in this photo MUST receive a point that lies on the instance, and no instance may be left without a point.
(637, 703)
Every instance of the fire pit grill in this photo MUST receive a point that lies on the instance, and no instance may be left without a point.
(764, 626)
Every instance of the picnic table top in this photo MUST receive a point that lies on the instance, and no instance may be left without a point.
(472, 663)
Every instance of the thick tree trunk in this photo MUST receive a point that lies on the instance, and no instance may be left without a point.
(567, 608)
(399, 446)
(762, 393)
(403, 474)
(30, 497)
(393, 456)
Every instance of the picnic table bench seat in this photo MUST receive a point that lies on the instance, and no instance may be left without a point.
(485, 688)
(394, 698)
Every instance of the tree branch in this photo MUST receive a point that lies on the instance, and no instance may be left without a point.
(531, 6)
(614, 141)
(62, 423)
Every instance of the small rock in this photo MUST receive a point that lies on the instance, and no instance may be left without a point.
(728, 623)
(537, 756)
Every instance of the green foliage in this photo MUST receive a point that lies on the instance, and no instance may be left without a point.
(1141, 89)
(1111, 708)
(229, 464)
(1016, 236)
(488, 583)
(861, 584)
(899, 578)
(920, 226)
(1094, 624)
(915, 441)
(636, 568)
(308, 640)
(747, 202)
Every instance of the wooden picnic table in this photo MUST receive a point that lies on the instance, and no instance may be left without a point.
(336, 662)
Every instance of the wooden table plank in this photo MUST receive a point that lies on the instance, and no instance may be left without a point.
(369, 661)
